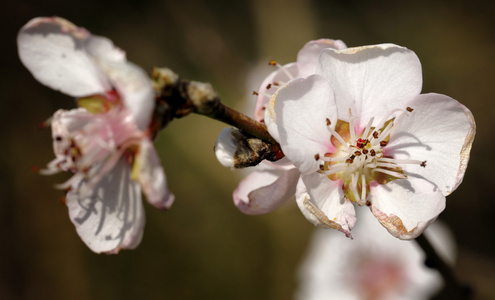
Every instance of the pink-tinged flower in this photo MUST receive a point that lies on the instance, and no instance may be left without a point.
(105, 142)
(271, 184)
(373, 266)
(360, 131)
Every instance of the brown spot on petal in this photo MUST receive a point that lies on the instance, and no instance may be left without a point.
(326, 222)
(394, 225)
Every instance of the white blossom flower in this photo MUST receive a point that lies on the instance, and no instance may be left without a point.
(373, 266)
(360, 131)
(105, 143)
(272, 184)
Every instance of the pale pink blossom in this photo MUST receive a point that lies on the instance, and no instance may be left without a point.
(359, 131)
(270, 185)
(105, 142)
(373, 266)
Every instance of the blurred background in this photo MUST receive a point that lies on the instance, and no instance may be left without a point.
(204, 248)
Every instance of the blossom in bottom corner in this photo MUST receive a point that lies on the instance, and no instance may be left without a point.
(360, 132)
(105, 142)
(372, 266)
(271, 184)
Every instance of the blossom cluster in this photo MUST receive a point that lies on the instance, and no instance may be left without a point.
(105, 142)
(356, 130)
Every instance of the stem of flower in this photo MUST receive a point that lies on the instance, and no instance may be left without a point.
(177, 98)
(453, 289)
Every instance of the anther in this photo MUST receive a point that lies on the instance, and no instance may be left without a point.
(375, 134)
(372, 152)
(409, 109)
(383, 143)
(276, 83)
(272, 62)
(368, 203)
(365, 151)
(328, 122)
(255, 93)
(58, 138)
(268, 86)
(357, 153)
(322, 167)
(317, 156)
(423, 164)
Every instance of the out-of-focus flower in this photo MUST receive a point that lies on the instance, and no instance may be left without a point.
(271, 184)
(105, 142)
(373, 266)
(360, 131)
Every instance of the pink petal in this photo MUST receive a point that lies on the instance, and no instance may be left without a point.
(273, 81)
(110, 216)
(52, 49)
(322, 202)
(371, 80)
(439, 131)
(300, 112)
(264, 191)
(134, 87)
(151, 176)
(406, 206)
(307, 58)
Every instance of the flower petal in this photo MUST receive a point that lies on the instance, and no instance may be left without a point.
(264, 191)
(52, 49)
(134, 87)
(109, 216)
(406, 206)
(307, 58)
(149, 172)
(322, 202)
(371, 80)
(273, 81)
(226, 147)
(300, 112)
(439, 131)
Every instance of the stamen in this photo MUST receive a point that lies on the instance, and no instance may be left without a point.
(351, 127)
(363, 187)
(317, 156)
(336, 135)
(354, 186)
(402, 161)
(255, 93)
(282, 68)
(368, 128)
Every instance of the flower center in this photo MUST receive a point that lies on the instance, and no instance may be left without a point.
(361, 157)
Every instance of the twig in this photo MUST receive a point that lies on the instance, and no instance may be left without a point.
(453, 289)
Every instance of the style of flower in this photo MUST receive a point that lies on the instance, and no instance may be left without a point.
(360, 131)
(105, 142)
(271, 184)
(373, 266)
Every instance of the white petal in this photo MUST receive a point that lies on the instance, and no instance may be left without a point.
(301, 109)
(151, 176)
(336, 267)
(307, 58)
(52, 49)
(439, 131)
(110, 216)
(264, 191)
(371, 80)
(102, 48)
(322, 202)
(226, 147)
(274, 81)
(134, 87)
(406, 206)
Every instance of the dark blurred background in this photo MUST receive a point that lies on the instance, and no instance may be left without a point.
(204, 248)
